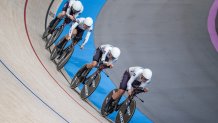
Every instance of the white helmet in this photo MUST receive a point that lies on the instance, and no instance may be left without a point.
(88, 21)
(115, 52)
(147, 73)
(77, 6)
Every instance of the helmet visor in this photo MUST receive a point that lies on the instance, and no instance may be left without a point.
(74, 11)
(111, 56)
(144, 79)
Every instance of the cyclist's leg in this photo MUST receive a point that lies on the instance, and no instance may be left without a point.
(82, 70)
(67, 38)
(96, 59)
(62, 43)
(75, 39)
(118, 94)
(78, 36)
(60, 15)
(88, 67)
(56, 19)
(94, 63)
(115, 96)
(122, 88)
(123, 85)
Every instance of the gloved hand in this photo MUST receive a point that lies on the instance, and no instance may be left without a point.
(140, 90)
(130, 92)
(82, 46)
(109, 65)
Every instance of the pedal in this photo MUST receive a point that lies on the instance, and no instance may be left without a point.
(118, 107)
(113, 103)
(83, 82)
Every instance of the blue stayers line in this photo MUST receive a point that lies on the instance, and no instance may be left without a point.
(81, 57)
(33, 92)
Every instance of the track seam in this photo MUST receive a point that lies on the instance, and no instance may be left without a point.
(32, 91)
(44, 65)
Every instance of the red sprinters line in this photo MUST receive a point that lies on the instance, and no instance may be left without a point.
(44, 65)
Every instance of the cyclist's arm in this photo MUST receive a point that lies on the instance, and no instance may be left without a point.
(135, 74)
(87, 37)
(69, 7)
(144, 84)
(145, 89)
(78, 13)
(104, 55)
(68, 11)
(129, 83)
(113, 61)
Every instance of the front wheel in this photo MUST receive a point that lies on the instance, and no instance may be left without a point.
(90, 85)
(65, 58)
(54, 37)
(79, 77)
(126, 111)
(46, 33)
(105, 108)
(54, 53)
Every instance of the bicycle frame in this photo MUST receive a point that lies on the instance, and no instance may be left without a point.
(131, 97)
(66, 19)
(128, 107)
(100, 68)
(92, 82)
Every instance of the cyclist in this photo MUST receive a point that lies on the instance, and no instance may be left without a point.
(71, 9)
(105, 54)
(133, 77)
(77, 30)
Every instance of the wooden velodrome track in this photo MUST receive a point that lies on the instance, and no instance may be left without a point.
(31, 88)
